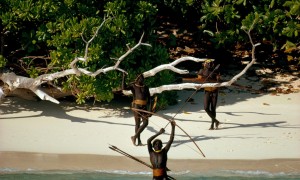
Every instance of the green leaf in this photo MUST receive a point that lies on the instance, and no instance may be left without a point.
(209, 32)
(272, 3)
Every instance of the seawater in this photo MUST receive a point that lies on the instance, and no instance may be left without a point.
(11, 174)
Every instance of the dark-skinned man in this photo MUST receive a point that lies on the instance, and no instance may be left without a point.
(158, 154)
(208, 75)
(141, 100)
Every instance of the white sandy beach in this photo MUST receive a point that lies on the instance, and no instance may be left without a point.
(258, 131)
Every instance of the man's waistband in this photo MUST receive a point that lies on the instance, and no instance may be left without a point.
(159, 172)
(140, 102)
(210, 89)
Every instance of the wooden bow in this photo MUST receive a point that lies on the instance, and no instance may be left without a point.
(155, 114)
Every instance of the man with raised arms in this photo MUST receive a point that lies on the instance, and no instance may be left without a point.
(158, 155)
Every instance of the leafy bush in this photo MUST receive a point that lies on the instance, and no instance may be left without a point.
(56, 28)
(220, 22)
(277, 21)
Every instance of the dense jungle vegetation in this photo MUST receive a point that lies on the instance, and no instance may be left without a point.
(44, 36)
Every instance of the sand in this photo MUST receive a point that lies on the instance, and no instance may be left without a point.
(258, 132)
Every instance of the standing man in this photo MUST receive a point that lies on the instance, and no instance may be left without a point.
(208, 74)
(158, 155)
(141, 98)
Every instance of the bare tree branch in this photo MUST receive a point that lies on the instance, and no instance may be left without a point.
(13, 81)
(130, 50)
(88, 42)
(171, 66)
(195, 86)
(1, 93)
(73, 63)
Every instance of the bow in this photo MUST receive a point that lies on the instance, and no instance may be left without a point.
(155, 114)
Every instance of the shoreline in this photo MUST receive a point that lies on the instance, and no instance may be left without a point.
(259, 134)
(14, 162)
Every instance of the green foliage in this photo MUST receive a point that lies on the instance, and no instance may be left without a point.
(56, 29)
(293, 7)
(277, 21)
(3, 61)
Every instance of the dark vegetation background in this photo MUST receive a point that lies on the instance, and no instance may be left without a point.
(44, 36)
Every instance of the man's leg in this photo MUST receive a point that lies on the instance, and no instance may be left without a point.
(212, 116)
(137, 126)
(214, 107)
(141, 129)
(207, 107)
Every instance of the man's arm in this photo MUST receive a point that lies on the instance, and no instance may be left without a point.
(167, 147)
(148, 94)
(123, 82)
(162, 130)
(124, 86)
(218, 77)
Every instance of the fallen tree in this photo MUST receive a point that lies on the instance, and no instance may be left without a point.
(13, 82)
(196, 86)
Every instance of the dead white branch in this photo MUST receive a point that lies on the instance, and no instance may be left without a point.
(198, 86)
(171, 66)
(130, 50)
(195, 86)
(1, 93)
(14, 81)
(87, 44)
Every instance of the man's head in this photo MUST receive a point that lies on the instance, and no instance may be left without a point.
(208, 64)
(140, 79)
(157, 144)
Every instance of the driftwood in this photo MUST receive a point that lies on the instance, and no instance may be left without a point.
(181, 86)
(12, 82)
